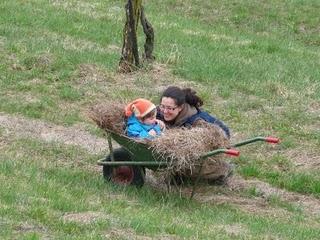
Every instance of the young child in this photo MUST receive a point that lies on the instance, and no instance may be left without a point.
(141, 119)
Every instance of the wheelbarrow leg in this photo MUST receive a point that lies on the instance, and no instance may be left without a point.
(110, 147)
(197, 180)
(171, 182)
(175, 184)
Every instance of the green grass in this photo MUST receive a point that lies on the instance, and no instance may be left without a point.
(256, 65)
(42, 193)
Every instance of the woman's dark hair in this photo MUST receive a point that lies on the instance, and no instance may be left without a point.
(181, 96)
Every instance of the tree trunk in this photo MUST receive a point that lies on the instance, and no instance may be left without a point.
(129, 60)
(130, 55)
(148, 31)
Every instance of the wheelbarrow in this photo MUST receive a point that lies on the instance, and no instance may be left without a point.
(126, 165)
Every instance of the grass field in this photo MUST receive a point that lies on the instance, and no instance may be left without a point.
(255, 63)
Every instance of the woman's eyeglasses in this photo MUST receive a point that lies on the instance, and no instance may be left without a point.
(170, 109)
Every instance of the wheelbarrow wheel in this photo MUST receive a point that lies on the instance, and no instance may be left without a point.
(123, 175)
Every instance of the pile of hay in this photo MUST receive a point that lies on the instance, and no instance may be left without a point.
(109, 116)
(182, 147)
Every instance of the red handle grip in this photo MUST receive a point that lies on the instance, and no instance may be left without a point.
(232, 152)
(272, 140)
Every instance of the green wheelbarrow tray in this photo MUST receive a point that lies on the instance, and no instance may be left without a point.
(141, 154)
(126, 166)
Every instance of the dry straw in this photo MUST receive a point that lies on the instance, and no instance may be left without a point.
(182, 147)
(109, 116)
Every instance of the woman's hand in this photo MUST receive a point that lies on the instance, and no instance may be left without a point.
(161, 124)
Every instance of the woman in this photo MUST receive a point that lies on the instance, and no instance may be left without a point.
(181, 108)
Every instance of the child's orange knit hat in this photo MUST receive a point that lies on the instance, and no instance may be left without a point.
(140, 107)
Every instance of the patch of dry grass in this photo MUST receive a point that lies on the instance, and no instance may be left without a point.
(183, 147)
(109, 116)
(84, 217)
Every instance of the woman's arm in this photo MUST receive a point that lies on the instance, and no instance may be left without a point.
(199, 122)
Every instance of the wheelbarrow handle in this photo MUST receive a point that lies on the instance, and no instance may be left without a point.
(272, 140)
(264, 139)
(232, 152)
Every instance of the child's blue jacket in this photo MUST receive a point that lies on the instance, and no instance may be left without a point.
(137, 129)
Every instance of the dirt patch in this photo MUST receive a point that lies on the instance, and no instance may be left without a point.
(25, 227)
(75, 135)
(93, 10)
(130, 234)
(5, 140)
(311, 128)
(313, 108)
(157, 77)
(309, 204)
(223, 195)
(233, 230)
(22, 97)
(84, 217)
(233, 195)
(91, 73)
(68, 42)
(304, 159)
(91, 217)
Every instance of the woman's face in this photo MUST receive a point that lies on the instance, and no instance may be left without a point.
(169, 108)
